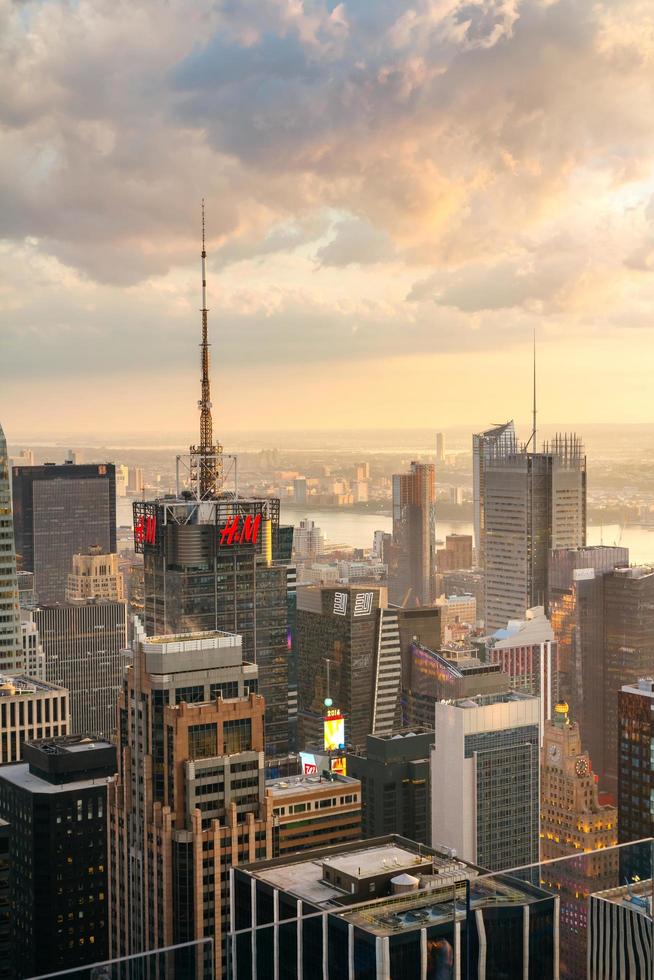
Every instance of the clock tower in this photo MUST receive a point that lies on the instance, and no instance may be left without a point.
(573, 822)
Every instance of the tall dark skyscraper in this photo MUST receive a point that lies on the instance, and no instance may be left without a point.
(412, 554)
(11, 643)
(214, 560)
(628, 650)
(533, 502)
(577, 577)
(348, 650)
(55, 803)
(61, 511)
(213, 566)
(636, 774)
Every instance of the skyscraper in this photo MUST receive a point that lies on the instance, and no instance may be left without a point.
(84, 644)
(95, 576)
(348, 650)
(11, 643)
(576, 610)
(394, 774)
(532, 503)
(526, 651)
(189, 800)
(636, 773)
(487, 446)
(440, 448)
(214, 560)
(61, 511)
(573, 821)
(628, 649)
(55, 802)
(485, 779)
(412, 555)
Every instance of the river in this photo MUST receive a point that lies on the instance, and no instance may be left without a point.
(356, 529)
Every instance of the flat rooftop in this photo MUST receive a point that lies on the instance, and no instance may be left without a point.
(18, 773)
(377, 860)
(485, 700)
(437, 903)
(304, 876)
(208, 637)
(293, 785)
(21, 684)
(637, 897)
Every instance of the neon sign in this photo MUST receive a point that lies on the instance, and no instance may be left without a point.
(240, 532)
(334, 731)
(145, 530)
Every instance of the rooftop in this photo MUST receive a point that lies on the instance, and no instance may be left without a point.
(15, 685)
(293, 785)
(636, 896)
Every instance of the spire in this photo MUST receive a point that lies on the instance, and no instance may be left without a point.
(206, 458)
(533, 430)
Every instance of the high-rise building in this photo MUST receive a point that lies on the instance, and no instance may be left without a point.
(628, 649)
(220, 564)
(84, 644)
(362, 471)
(394, 775)
(27, 596)
(300, 490)
(576, 610)
(11, 644)
(485, 779)
(308, 541)
(457, 610)
(487, 446)
(456, 554)
(533, 503)
(33, 654)
(636, 773)
(135, 483)
(526, 651)
(573, 821)
(348, 650)
(95, 576)
(55, 803)
(445, 675)
(6, 954)
(30, 709)
(313, 811)
(620, 933)
(189, 799)
(387, 907)
(412, 555)
(440, 448)
(61, 511)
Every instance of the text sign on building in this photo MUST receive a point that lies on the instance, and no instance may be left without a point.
(363, 603)
(583, 574)
(239, 530)
(340, 603)
(146, 527)
(334, 731)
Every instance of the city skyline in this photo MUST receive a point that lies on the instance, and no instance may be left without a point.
(394, 197)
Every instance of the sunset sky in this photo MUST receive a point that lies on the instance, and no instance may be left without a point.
(397, 194)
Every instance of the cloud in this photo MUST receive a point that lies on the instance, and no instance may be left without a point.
(483, 152)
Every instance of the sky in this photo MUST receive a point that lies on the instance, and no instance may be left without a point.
(397, 195)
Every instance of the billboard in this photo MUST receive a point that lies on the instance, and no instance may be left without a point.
(334, 731)
(315, 763)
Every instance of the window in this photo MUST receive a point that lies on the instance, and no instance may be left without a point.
(202, 741)
(237, 735)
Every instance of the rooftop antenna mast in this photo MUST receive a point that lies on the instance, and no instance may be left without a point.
(532, 437)
(206, 458)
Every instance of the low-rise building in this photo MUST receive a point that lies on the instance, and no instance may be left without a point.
(30, 709)
(313, 811)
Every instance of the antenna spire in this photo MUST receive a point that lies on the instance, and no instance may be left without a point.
(206, 458)
(533, 430)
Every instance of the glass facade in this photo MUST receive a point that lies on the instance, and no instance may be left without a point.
(61, 511)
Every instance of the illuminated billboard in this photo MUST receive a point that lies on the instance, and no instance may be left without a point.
(314, 764)
(334, 731)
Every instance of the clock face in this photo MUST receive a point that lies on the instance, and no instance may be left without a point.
(554, 753)
(581, 766)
